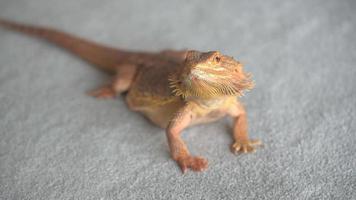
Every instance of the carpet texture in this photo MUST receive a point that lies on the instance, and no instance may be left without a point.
(58, 143)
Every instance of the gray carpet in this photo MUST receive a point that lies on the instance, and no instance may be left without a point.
(58, 143)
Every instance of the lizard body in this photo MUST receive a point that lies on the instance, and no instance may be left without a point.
(173, 89)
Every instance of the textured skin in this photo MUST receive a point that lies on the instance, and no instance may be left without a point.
(173, 89)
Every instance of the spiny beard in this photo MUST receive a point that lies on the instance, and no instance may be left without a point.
(227, 84)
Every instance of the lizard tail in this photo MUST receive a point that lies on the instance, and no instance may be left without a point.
(106, 58)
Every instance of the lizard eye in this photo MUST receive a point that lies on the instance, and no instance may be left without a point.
(217, 59)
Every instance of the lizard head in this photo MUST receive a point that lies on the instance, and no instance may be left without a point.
(210, 75)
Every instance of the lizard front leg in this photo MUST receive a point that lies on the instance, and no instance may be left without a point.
(178, 148)
(120, 83)
(242, 143)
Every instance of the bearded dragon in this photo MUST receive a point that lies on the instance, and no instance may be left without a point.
(173, 89)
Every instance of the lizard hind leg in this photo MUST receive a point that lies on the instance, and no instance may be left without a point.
(120, 83)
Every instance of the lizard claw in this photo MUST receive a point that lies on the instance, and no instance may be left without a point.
(248, 146)
(194, 163)
(105, 92)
